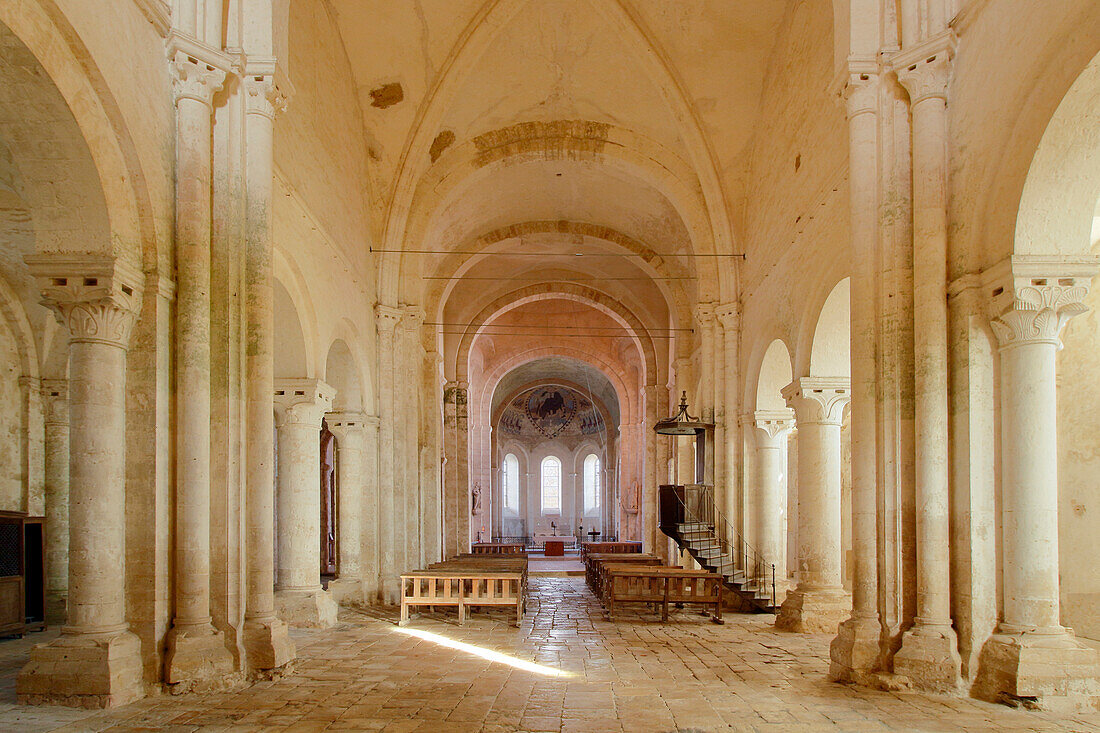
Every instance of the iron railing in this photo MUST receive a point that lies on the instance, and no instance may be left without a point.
(529, 541)
(698, 505)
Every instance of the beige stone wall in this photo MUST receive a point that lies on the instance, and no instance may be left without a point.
(1078, 469)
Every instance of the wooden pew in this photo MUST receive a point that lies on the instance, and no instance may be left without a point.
(498, 548)
(594, 562)
(471, 563)
(663, 586)
(602, 547)
(461, 587)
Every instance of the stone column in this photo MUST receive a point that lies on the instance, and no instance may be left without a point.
(351, 446)
(730, 316)
(32, 467)
(370, 513)
(1031, 654)
(929, 654)
(772, 428)
(55, 403)
(819, 602)
(96, 662)
(409, 380)
(266, 638)
(386, 319)
(854, 653)
(651, 478)
(196, 653)
(299, 406)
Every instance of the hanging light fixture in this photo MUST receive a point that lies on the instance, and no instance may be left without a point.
(681, 423)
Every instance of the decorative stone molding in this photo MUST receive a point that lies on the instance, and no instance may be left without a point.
(925, 69)
(195, 79)
(775, 424)
(818, 399)
(342, 424)
(927, 79)
(412, 317)
(97, 298)
(264, 95)
(302, 401)
(861, 94)
(729, 315)
(705, 314)
(386, 318)
(1033, 297)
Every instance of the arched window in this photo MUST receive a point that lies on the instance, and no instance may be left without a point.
(591, 483)
(510, 490)
(551, 485)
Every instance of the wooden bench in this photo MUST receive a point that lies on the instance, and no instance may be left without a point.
(498, 548)
(470, 563)
(618, 547)
(594, 562)
(463, 588)
(663, 586)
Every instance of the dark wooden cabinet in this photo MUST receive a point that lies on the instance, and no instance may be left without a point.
(22, 573)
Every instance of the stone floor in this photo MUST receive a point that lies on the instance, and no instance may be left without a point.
(566, 670)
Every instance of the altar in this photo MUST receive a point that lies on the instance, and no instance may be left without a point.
(568, 540)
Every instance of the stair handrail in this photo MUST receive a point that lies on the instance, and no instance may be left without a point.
(747, 559)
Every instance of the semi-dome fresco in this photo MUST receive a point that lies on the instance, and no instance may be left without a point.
(551, 412)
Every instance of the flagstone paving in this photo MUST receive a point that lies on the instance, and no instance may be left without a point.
(632, 675)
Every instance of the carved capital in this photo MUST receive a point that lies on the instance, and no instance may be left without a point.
(302, 402)
(861, 94)
(772, 426)
(386, 319)
(704, 314)
(347, 424)
(1032, 298)
(412, 317)
(97, 298)
(819, 400)
(263, 95)
(55, 401)
(455, 392)
(927, 78)
(195, 79)
(729, 314)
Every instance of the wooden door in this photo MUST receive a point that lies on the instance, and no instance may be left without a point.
(328, 501)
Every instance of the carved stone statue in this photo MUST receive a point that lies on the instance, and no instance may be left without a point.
(476, 504)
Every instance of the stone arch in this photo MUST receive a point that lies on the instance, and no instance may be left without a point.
(617, 379)
(291, 355)
(474, 40)
(295, 287)
(774, 373)
(342, 373)
(453, 266)
(830, 349)
(13, 314)
(569, 291)
(1063, 182)
(69, 69)
(636, 156)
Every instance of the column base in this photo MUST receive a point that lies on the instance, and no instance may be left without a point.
(314, 609)
(854, 653)
(83, 671)
(929, 658)
(347, 592)
(814, 611)
(1052, 671)
(197, 660)
(267, 645)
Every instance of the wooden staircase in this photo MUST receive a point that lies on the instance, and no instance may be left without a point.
(688, 516)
